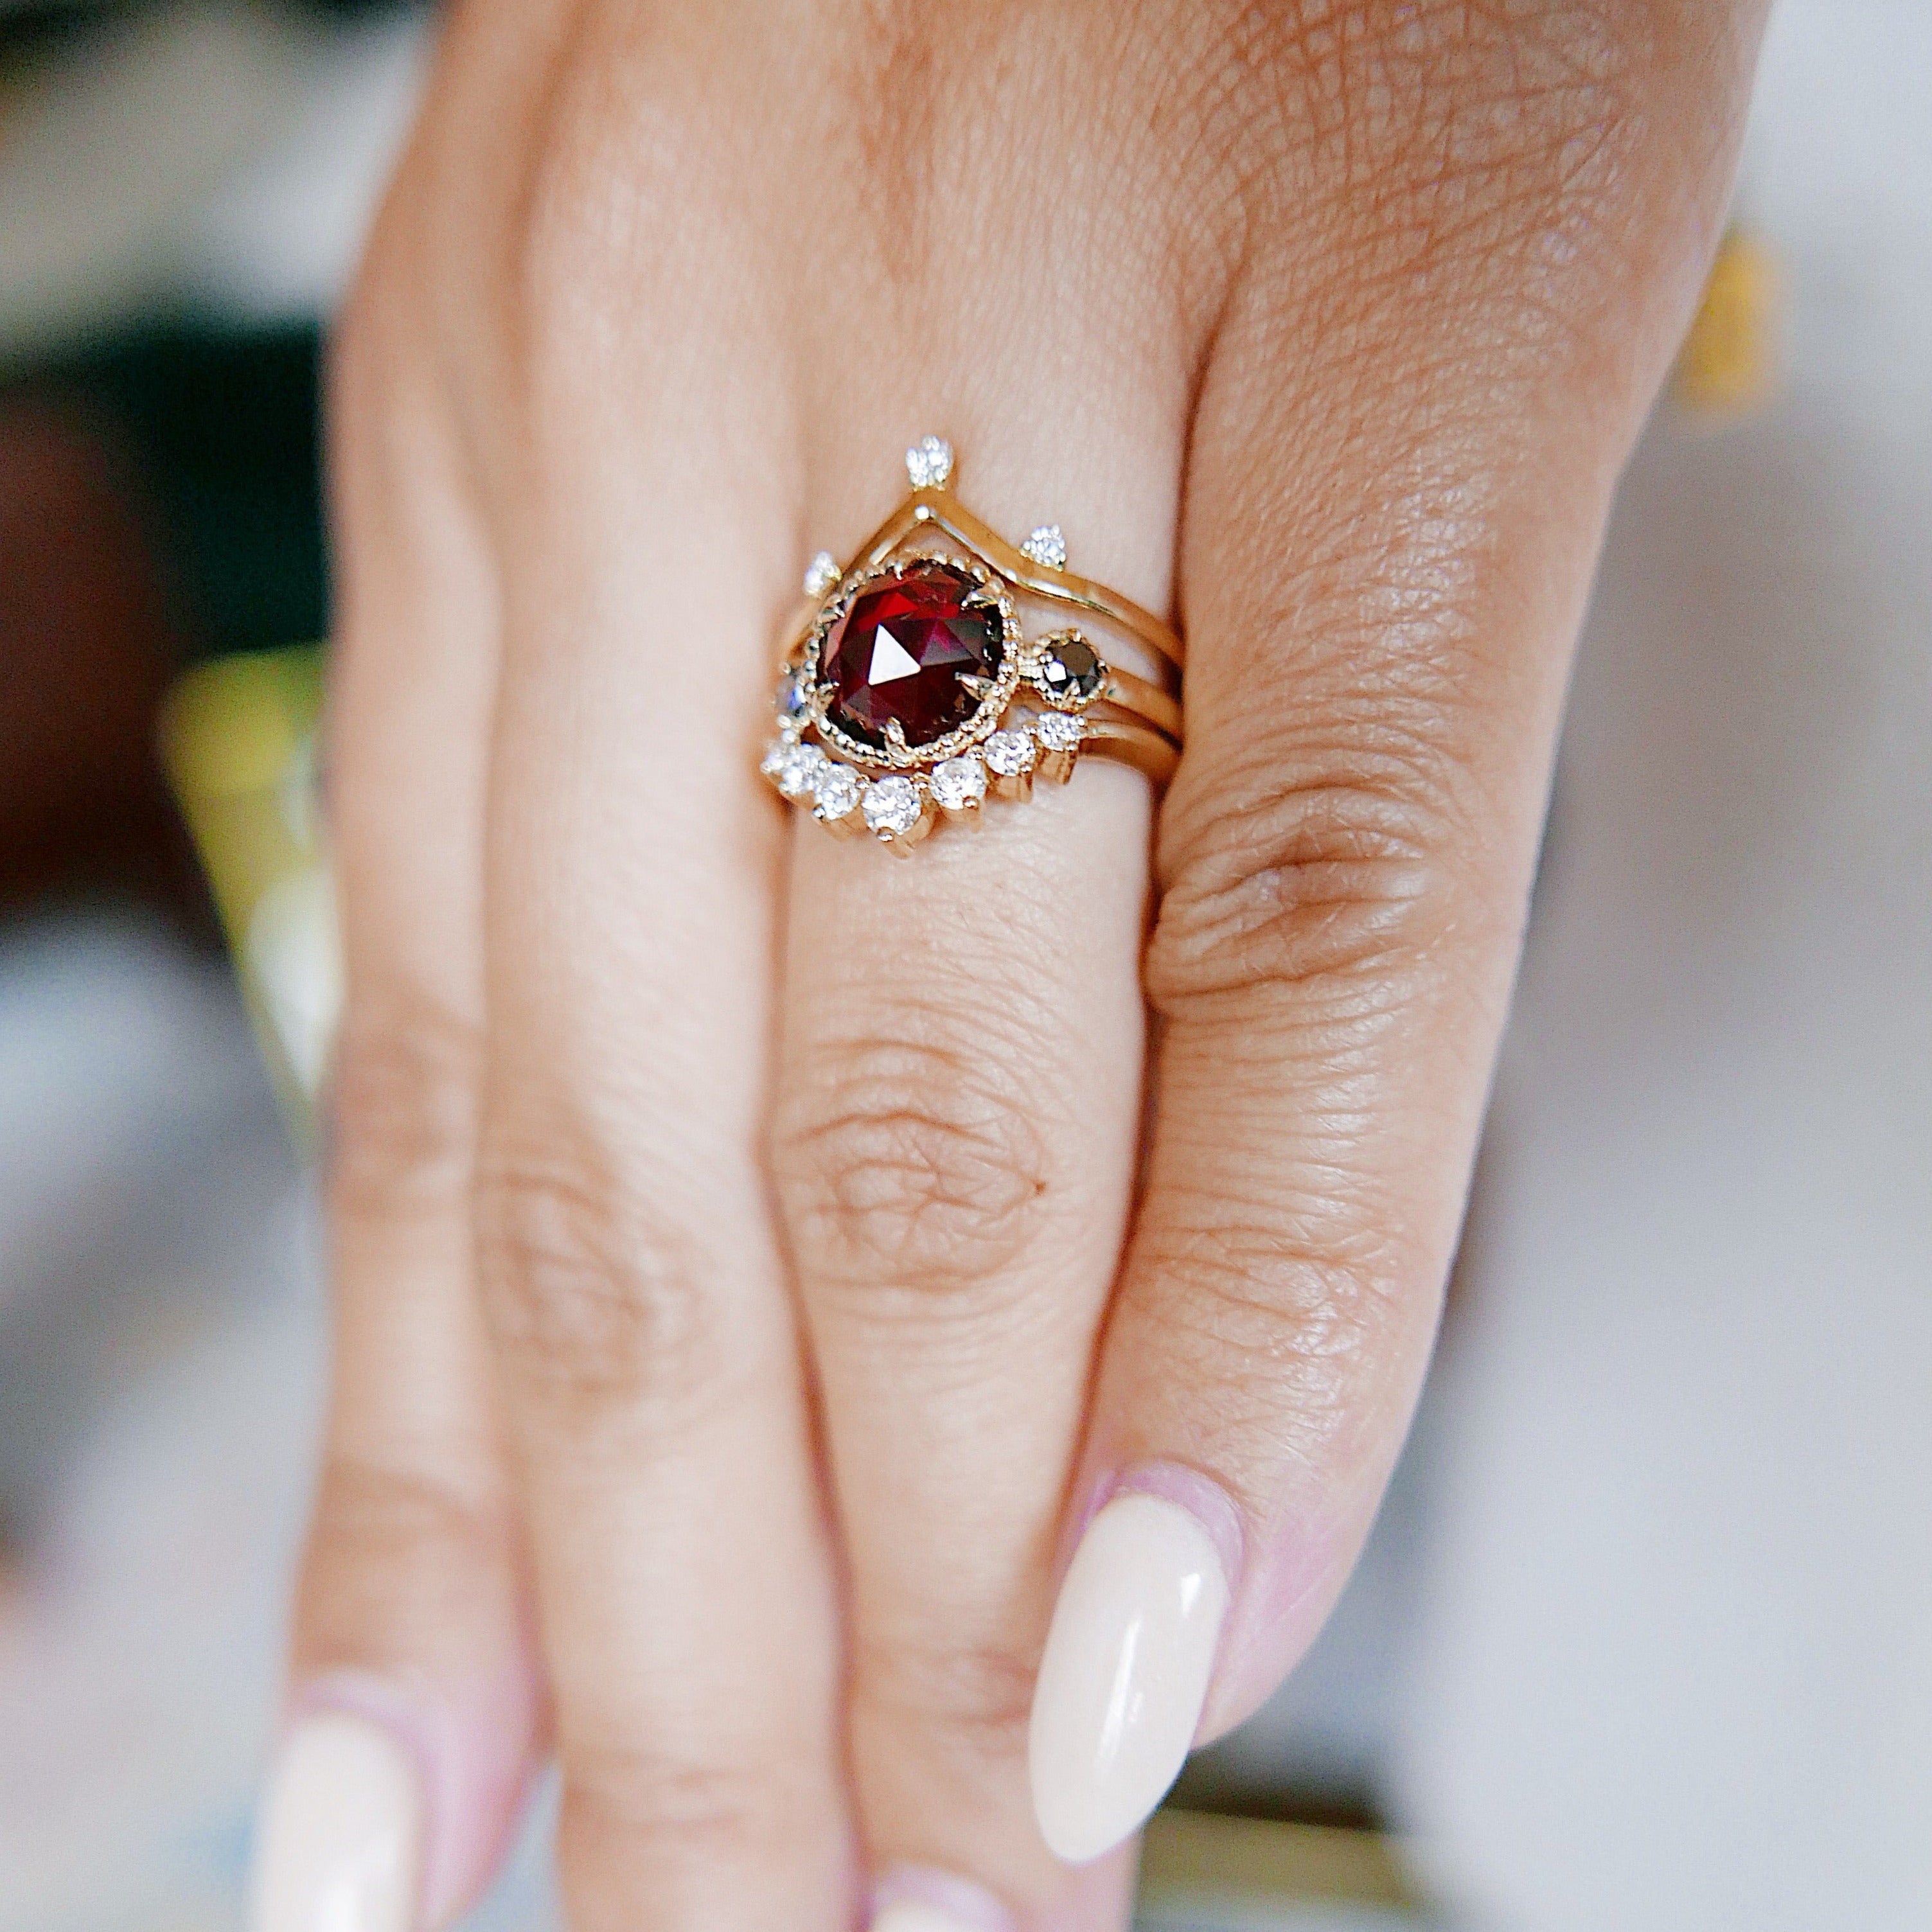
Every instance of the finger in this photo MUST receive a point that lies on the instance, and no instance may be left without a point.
(1385, 561)
(414, 1699)
(960, 1090)
(633, 1288)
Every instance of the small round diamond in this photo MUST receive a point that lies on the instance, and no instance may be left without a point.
(821, 573)
(798, 771)
(892, 805)
(1046, 545)
(793, 696)
(776, 753)
(837, 791)
(1008, 754)
(929, 463)
(1057, 730)
(959, 783)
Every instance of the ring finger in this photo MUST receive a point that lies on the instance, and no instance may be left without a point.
(960, 1101)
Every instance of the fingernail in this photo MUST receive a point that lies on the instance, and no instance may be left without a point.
(917, 1898)
(339, 1846)
(1125, 1673)
(915, 1915)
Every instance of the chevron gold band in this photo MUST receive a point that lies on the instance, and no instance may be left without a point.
(913, 688)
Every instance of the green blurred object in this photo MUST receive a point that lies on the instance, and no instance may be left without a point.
(238, 737)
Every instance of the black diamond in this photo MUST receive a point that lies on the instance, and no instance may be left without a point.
(1071, 672)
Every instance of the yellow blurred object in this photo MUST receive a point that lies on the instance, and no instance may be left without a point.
(238, 741)
(1192, 1861)
(1728, 365)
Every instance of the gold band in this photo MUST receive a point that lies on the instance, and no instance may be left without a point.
(911, 691)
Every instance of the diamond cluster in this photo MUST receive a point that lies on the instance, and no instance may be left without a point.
(902, 806)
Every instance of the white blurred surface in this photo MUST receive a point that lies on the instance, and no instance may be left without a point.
(1674, 1667)
(222, 152)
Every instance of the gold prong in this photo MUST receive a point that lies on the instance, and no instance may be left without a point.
(901, 843)
(1055, 767)
(982, 688)
(1018, 786)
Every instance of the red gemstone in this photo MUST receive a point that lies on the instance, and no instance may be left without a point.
(898, 654)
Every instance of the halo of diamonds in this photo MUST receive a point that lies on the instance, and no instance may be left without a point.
(1025, 724)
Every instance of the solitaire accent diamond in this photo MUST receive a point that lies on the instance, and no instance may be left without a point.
(837, 791)
(902, 653)
(798, 770)
(1070, 670)
(892, 805)
(793, 699)
(1057, 730)
(1047, 546)
(821, 574)
(959, 783)
(1008, 754)
(929, 463)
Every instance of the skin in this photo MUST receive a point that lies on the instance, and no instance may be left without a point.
(754, 1255)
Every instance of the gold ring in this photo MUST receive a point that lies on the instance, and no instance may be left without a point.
(911, 691)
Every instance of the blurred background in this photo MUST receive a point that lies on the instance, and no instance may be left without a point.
(1644, 1637)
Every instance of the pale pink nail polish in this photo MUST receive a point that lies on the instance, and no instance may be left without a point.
(340, 1845)
(916, 1898)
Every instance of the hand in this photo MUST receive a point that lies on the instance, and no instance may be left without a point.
(756, 1264)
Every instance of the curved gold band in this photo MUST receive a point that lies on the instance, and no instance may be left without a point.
(1150, 752)
(942, 510)
(937, 506)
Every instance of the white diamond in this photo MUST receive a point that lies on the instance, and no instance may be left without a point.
(892, 805)
(821, 574)
(776, 753)
(1009, 753)
(929, 463)
(959, 783)
(798, 771)
(1047, 546)
(1057, 731)
(838, 790)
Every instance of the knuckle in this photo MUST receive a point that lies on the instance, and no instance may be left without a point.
(593, 1299)
(700, 1810)
(905, 1164)
(403, 1102)
(973, 1699)
(1315, 1307)
(1317, 871)
(618, 176)
(392, 1548)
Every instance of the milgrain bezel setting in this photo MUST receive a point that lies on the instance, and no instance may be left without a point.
(1042, 718)
(896, 754)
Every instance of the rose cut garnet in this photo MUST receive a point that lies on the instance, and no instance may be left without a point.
(899, 654)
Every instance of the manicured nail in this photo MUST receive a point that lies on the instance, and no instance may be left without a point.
(915, 1915)
(340, 1843)
(917, 1898)
(1125, 1673)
